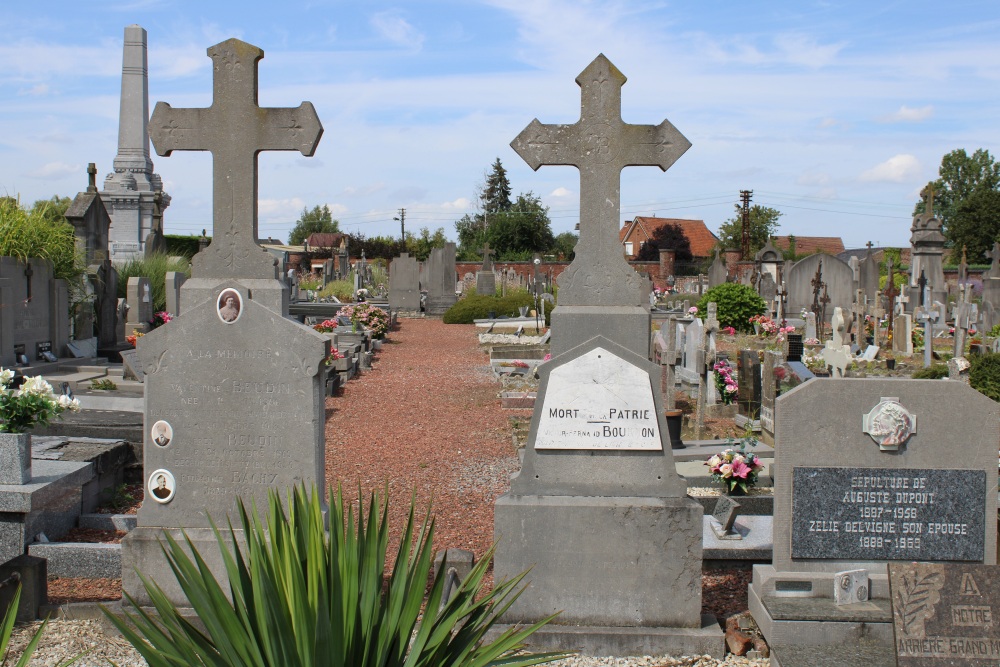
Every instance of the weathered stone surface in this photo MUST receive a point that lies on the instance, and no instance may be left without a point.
(945, 614)
(35, 310)
(404, 284)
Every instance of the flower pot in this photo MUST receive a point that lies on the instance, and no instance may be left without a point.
(15, 458)
(890, 364)
(736, 491)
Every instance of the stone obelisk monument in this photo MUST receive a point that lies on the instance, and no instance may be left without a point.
(132, 193)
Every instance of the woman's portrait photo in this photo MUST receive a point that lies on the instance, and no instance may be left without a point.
(161, 433)
(161, 486)
(230, 306)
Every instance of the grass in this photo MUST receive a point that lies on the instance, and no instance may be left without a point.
(154, 267)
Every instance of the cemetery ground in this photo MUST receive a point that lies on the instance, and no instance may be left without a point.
(425, 423)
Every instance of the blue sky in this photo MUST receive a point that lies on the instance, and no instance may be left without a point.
(835, 113)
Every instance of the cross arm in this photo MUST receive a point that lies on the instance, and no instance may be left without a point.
(653, 145)
(177, 129)
(540, 144)
(287, 129)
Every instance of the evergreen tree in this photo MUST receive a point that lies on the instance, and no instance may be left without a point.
(496, 193)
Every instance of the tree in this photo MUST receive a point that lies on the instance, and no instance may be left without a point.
(496, 193)
(667, 237)
(421, 246)
(53, 210)
(515, 230)
(763, 225)
(965, 199)
(523, 230)
(565, 246)
(317, 221)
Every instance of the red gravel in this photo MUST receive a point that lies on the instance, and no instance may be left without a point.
(426, 420)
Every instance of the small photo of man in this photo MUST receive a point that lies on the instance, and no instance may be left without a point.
(161, 486)
(162, 433)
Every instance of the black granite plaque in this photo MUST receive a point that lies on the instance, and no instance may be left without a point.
(878, 514)
(795, 347)
(41, 349)
(945, 614)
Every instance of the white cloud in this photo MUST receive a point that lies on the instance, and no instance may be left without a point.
(909, 115)
(560, 192)
(280, 208)
(460, 204)
(54, 170)
(393, 27)
(896, 169)
(36, 90)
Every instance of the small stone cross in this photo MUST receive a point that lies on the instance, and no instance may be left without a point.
(91, 177)
(28, 272)
(928, 194)
(922, 284)
(600, 144)
(487, 261)
(235, 130)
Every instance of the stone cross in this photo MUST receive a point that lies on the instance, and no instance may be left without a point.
(600, 144)
(487, 254)
(922, 284)
(823, 300)
(817, 285)
(928, 196)
(91, 177)
(928, 316)
(836, 354)
(235, 130)
(28, 272)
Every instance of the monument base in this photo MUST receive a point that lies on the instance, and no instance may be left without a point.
(629, 326)
(624, 572)
(142, 552)
(616, 641)
(795, 612)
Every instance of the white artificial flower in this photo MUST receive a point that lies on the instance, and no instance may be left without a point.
(6, 375)
(37, 386)
(67, 403)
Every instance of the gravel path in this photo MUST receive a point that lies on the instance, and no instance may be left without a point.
(426, 422)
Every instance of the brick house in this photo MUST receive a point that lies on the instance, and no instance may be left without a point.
(634, 234)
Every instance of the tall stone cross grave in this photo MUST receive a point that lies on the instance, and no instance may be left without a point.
(234, 400)
(235, 130)
(598, 512)
(600, 292)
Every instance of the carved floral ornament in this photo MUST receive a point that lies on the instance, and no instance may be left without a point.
(889, 424)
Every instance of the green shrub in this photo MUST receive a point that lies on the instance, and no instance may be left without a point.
(154, 267)
(342, 289)
(301, 598)
(478, 306)
(24, 235)
(932, 372)
(186, 246)
(737, 304)
(984, 374)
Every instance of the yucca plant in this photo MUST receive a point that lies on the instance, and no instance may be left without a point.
(300, 598)
(154, 267)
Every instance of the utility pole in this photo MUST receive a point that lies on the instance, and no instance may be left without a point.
(402, 225)
(745, 196)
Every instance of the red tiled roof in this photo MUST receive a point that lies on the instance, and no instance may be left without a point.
(702, 240)
(807, 245)
(324, 240)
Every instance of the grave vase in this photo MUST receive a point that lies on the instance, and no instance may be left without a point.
(15, 458)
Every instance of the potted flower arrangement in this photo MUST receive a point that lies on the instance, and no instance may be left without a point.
(724, 381)
(21, 408)
(367, 316)
(326, 326)
(736, 468)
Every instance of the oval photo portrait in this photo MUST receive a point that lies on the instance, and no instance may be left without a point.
(161, 486)
(230, 306)
(161, 433)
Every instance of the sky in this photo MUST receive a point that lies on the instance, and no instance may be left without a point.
(834, 113)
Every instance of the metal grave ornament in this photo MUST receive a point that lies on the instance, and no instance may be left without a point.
(889, 424)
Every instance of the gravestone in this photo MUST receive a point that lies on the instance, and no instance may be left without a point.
(837, 275)
(600, 145)
(140, 305)
(927, 251)
(717, 272)
(945, 614)
(882, 470)
(598, 512)
(404, 284)
(811, 326)
(768, 392)
(35, 310)
(441, 279)
(748, 383)
(486, 278)
(175, 280)
(237, 384)
(692, 357)
(868, 276)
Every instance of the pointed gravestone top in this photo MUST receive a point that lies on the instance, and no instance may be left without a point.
(600, 144)
(234, 129)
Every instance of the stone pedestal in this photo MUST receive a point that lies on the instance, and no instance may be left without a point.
(15, 458)
(628, 326)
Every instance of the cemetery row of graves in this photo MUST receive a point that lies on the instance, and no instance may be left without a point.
(868, 511)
